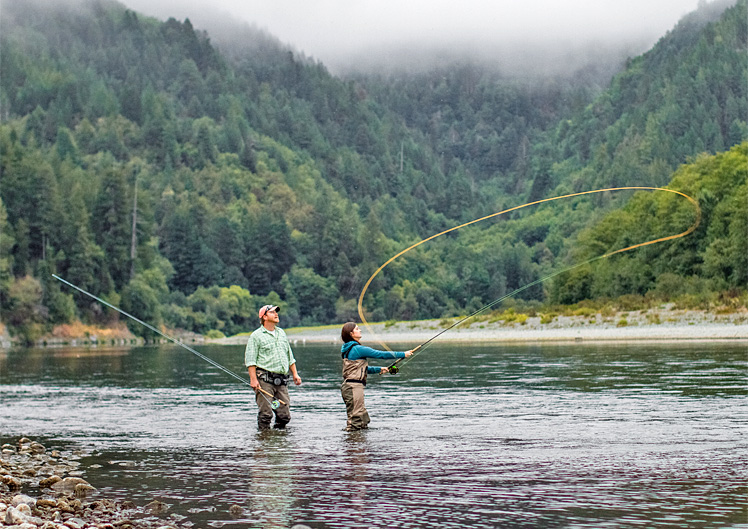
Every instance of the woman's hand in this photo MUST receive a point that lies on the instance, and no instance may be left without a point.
(383, 371)
(408, 353)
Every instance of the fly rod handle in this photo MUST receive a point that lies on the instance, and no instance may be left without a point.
(394, 369)
(270, 395)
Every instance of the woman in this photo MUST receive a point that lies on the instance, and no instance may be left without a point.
(355, 369)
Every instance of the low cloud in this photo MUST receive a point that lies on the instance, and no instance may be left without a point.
(342, 33)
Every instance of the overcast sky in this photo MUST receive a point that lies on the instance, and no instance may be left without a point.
(333, 31)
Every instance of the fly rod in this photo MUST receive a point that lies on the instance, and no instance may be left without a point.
(273, 404)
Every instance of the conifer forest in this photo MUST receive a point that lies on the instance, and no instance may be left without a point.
(190, 182)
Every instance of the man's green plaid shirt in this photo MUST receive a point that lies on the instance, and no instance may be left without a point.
(269, 352)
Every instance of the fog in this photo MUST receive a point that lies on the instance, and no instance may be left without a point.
(371, 34)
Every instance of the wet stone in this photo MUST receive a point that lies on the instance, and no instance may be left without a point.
(48, 482)
(75, 523)
(68, 484)
(19, 499)
(82, 489)
(157, 507)
(37, 448)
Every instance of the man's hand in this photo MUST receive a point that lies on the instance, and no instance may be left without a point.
(296, 377)
(253, 377)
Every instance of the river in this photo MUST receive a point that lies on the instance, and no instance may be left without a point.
(573, 436)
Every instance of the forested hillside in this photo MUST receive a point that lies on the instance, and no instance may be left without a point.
(189, 185)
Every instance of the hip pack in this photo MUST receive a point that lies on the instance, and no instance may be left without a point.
(275, 379)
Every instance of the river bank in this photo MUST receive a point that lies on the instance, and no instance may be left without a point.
(641, 325)
(647, 325)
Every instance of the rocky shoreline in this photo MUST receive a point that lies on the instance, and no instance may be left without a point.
(42, 489)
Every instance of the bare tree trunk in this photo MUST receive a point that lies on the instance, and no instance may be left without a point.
(134, 240)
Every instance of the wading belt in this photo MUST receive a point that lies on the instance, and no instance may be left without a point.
(355, 381)
(275, 379)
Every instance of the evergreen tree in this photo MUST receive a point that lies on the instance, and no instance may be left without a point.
(112, 226)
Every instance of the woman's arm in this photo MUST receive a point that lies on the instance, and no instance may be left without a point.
(361, 351)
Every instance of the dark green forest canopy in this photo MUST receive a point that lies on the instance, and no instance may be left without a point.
(191, 184)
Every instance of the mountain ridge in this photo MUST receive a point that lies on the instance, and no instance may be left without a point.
(268, 179)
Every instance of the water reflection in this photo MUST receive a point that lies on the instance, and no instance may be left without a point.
(467, 436)
(272, 478)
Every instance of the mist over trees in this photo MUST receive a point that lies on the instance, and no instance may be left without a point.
(190, 184)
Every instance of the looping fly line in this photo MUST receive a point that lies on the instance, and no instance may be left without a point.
(632, 247)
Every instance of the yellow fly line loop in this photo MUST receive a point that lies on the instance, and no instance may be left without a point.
(570, 195)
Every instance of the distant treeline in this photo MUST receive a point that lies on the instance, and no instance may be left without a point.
(190, 185)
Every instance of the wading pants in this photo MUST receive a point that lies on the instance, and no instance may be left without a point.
(265, 415)
(353, 396)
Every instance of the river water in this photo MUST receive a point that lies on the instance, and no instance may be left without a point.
(594, 436)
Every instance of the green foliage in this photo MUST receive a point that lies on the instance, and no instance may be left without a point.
(313, 296)
(711, 258)
(687, 95)
(25, 312)
(7, 241)
(143, 165)
(141, 300)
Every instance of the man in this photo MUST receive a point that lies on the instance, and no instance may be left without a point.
(268, 358)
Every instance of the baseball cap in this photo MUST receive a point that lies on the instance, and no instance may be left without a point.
(266, 308)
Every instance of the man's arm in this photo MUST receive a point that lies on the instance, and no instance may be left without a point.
(296, 377)
(250, 360)
(253, 377)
